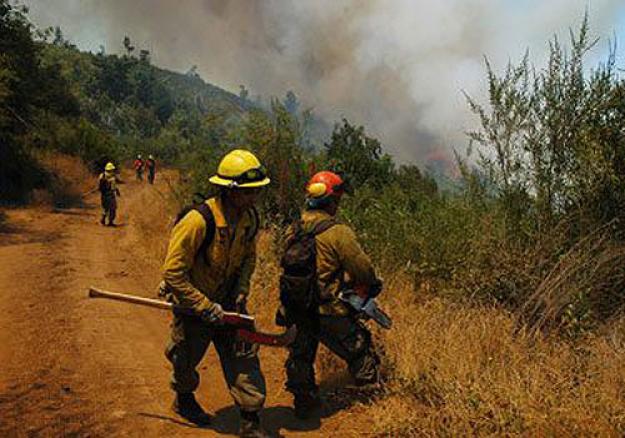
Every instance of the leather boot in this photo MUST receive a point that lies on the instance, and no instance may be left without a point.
(187, 407)
(306, 404)
(250, 426)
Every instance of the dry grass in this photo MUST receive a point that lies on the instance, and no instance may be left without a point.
(581, 282)
(457, 370)
(264, 298)
(68, 180)
(152, 212)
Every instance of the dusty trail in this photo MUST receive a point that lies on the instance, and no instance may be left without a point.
(71, 366)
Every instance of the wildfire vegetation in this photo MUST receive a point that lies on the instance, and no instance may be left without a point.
(506, 291)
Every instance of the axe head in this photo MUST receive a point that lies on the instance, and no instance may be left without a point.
(247, 332)
(269, 339)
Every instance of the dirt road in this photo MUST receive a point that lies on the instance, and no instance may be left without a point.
(72, 366)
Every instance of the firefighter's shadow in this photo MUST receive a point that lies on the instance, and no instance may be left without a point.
(281, 417)
(273, 419)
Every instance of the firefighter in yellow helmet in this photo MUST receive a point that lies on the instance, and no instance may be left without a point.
(322, 259)
(209, 263)
(107, 185)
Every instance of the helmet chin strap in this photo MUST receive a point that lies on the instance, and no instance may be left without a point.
(232, 210)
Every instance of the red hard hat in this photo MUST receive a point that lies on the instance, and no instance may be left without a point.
(325, 183)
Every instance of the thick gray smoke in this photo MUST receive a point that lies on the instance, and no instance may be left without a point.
(396, 66)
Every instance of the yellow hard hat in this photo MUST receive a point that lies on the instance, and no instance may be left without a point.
(109, 167)
(240, 169)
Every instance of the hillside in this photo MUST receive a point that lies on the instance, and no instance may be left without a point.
(86, 72)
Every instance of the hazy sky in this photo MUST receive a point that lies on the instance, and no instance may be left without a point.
(396, 66)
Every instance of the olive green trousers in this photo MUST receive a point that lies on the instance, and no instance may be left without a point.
(191, 337)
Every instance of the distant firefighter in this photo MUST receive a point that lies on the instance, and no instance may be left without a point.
(107, 185)
(138, 166)
(150, 164)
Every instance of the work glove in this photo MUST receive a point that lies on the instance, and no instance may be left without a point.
(163, 291)
(212, 314)
(376, 288)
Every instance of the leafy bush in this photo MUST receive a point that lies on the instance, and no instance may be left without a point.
(359, 156)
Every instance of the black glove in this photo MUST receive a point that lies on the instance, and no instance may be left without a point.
(375, 289)
(213, 314)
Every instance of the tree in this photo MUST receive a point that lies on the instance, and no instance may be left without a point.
(359, 156)
(128, 46)
(555, 136)
(192, 72)
(144, 56)
(243, 93)
(291, 103)
(275, 137)
(27, 89)
(59, 40)
(112, 77)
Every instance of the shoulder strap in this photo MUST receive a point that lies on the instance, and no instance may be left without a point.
(207, 214)
(103, 183)
(253, 230)
(323, 226)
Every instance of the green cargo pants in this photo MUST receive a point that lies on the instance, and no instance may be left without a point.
(191, 337)
(109, 207)
(344, 336)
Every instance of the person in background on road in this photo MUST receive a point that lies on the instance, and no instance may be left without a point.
(138, 166)
(107, 185)
(340, 264)
(210, 277)
(150, 164)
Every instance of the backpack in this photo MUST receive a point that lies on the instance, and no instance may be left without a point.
(298, 282)
(209, 219)
(104, 186)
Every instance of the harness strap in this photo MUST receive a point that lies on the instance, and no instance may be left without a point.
(207, 214)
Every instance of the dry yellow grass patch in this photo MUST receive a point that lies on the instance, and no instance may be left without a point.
(69, 179)
(153, 211)
(457, 370)
(264, 294)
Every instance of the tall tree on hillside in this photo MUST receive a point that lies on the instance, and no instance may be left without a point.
(128, 46)
(26, 89)
(112, 77)
(21, 64)
(243, 92)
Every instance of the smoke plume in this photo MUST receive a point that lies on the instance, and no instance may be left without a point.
(398, 67)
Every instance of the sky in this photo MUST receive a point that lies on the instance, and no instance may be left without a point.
(398, 67)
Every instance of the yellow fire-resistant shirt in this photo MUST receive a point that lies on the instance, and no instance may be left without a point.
(341, 261)
(223, 272)
(111, 179)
